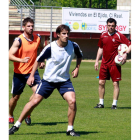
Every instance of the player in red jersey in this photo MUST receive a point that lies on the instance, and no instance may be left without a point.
(108, 49)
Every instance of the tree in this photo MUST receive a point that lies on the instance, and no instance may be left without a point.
(85, 3)
(78, 3)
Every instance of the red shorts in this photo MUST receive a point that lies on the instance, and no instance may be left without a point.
(107, 71)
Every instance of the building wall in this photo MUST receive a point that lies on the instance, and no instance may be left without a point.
(89, 47)
(125, 5)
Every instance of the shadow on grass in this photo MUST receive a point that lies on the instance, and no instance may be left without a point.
(60, 132)
(45, 123)
(120, 108)
(124, 107)
(79, 132)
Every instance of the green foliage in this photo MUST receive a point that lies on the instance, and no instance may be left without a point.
(112, 4)
(77, 3)
(49, 118)
(46, 3)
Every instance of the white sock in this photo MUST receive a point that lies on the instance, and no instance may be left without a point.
(11, 117)
(70, 127)
(101, 101)
(114, 102)
(17, 124)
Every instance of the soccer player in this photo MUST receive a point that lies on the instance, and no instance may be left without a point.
(23, 53)
(108, 49)
(59, 55)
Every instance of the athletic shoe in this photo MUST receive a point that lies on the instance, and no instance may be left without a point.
(72, 133)
(114, 107)
(11, 120)
(28, 120)
(13, 129)
(99, 106)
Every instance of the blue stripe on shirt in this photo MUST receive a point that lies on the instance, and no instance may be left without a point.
(77, 50)
(44, 55)
(19, 39)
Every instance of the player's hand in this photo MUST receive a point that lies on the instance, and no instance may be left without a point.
(25, 60)
(124, 57)
(42, 65)
(96, 66)
(75, 72)
(30, 80)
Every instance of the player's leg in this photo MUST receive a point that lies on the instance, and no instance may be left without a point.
(103, 76)
(66, 90)
(71, 100)
(116, 90)
(115, 73)
(18, 85)
(28, 118)
(33, 87)
(35, 84)
(44, 90)
(115, 94)
(102, 88)
(28, 108)
(12, 105)
(101, 91)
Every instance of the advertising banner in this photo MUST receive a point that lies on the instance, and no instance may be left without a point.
(94, 20)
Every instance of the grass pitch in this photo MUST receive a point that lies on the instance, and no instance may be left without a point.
(49, 118)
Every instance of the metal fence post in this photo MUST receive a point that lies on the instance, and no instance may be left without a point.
(21, 19)
(106, 4)
(51, 27)
(34, 15)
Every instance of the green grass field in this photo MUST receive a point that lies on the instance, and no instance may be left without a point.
(49, 119)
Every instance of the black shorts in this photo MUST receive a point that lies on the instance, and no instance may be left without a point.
(19, 82)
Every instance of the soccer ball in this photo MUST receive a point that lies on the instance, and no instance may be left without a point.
(118, 60)
(122, 48)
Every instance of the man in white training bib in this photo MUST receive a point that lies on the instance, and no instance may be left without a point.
(59, 55)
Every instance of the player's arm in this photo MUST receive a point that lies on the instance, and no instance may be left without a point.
(128, 43)
(14, 48)
(79, 55)
(30, 80)
(76, 70)
(41, 64)
(129, 49)
(124, 56)
(99, 54)
(40, 48)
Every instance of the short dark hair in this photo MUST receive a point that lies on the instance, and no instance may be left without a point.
(62, 27)
(28, 19)
(110, 20)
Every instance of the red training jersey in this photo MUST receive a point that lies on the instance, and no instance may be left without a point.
(110, 44)
(27, 49)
